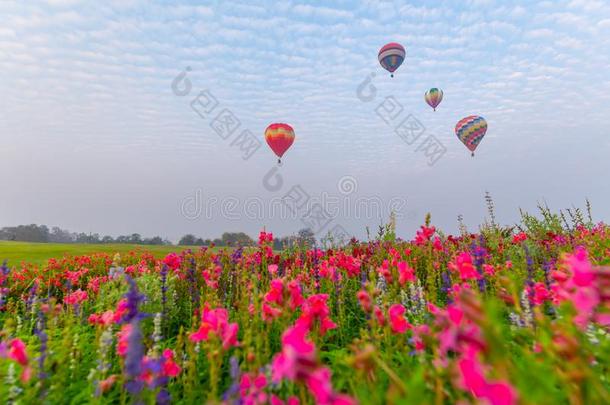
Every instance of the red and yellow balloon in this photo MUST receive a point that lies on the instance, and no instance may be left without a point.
(279, 137)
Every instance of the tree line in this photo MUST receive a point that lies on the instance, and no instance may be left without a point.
(44, 234)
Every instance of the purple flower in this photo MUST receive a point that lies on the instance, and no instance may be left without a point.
(479, 252)
(4, 269)
(192, 282)
(133, 359)
(134, 298)
(164, 271)
(234, 372)
(42, 336)
(236, 255)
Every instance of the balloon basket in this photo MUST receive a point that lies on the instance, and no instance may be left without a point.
(391, 74)
(472, 154)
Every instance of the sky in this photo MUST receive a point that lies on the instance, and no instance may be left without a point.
(104, 121)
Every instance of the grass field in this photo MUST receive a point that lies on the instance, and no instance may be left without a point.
(39, 253)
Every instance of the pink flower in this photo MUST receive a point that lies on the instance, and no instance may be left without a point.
(104, 319)
(121, 310)
(123, 341)
(173, 261)
(290, 401)
(276, 293)
(170, 367)
(582, 285)
(264, 238)
(365, 300)
(320, 386)
(216, 321)
(418, 333)
(379, 315)
(75, 298)
(539, 293)
(297, 362)
(316, 309)
(405, 273)
(398, 322)
(270, 313)
(296, 298)
(272, 268)
(438, 245)
(474, 381)
(489, 270)
(17, 352)
(463, 264)
(424, 234)
(297, 357)
(384, 271)
(251, 389)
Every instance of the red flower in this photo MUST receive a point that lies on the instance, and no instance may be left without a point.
(520, 237)
(17, 352)
(173, 261)
(170, 367)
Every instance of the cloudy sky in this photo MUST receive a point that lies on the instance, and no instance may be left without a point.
(94, 137)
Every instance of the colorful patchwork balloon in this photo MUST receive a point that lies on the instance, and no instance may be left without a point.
(434, 97)
(279, 137)
(391, 56)
(470, 131)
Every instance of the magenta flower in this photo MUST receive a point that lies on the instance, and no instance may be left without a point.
(398, 322)
(216, 322)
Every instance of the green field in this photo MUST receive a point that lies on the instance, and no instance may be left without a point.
(39, 253)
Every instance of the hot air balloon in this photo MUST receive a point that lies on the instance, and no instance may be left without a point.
(470, 131)
(434, 97)
(279, 137)
(391, 56)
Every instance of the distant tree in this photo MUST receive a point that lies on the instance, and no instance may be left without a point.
(155, 240)
(122, 239)
(26, 233)
(59, 235)
(306, 237)
(107, 239)
(236, 238)
(187, 239)
(135, 238)
(199, 242)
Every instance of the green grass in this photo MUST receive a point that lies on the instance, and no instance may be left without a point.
(39, 253)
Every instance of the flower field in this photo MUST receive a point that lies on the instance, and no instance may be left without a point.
(503, 316)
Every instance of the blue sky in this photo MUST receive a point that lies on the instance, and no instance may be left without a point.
(94, 139)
